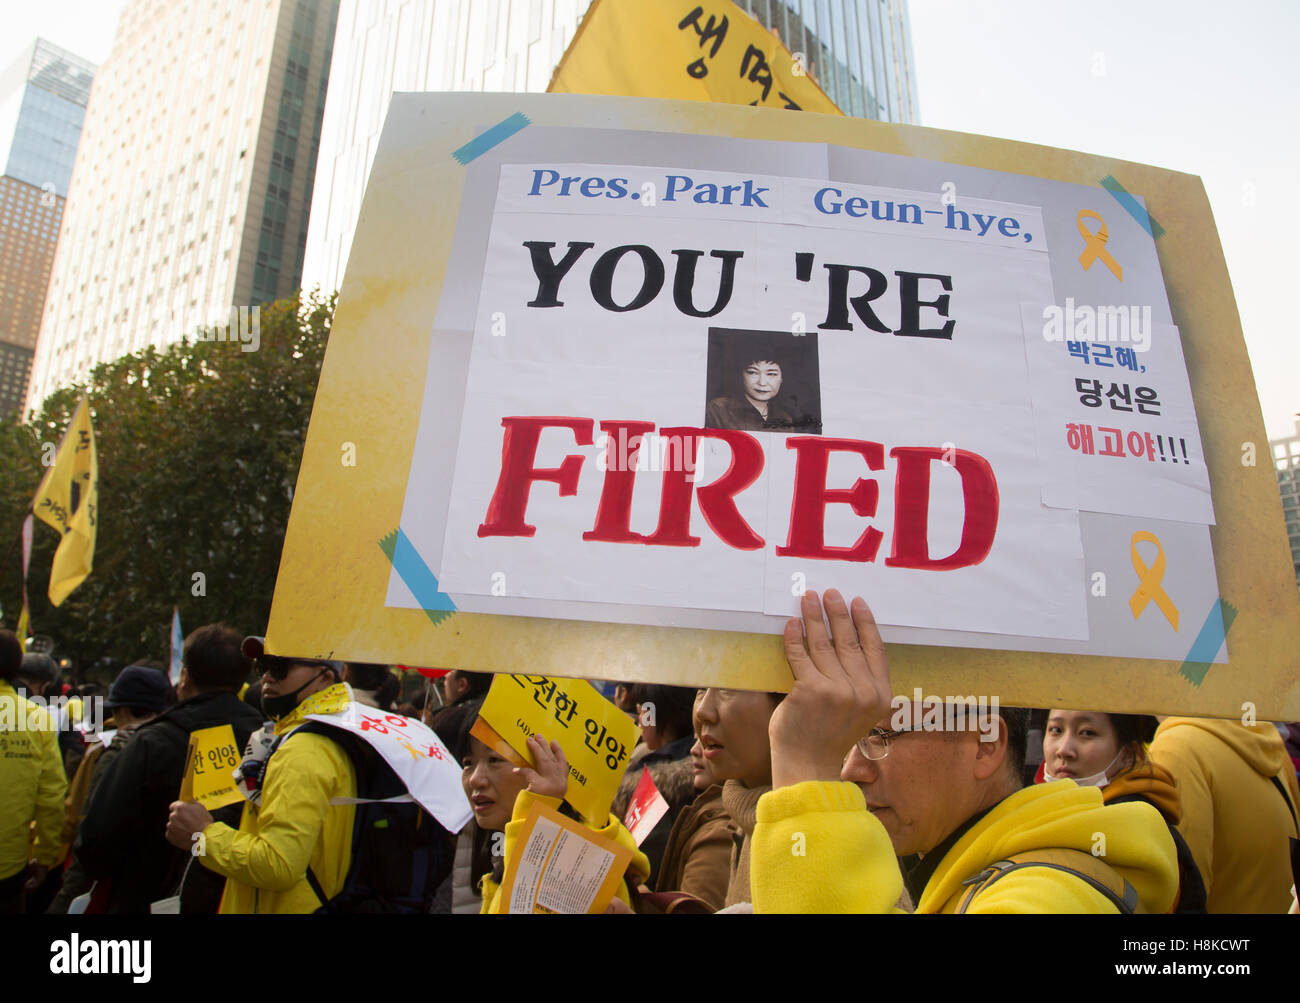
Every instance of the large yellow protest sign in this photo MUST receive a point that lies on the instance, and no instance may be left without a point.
(595, 735)
(513, 320)
(68, 500)
(210, 761)
(709, 50)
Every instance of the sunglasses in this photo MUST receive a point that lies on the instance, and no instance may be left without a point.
(279, 668)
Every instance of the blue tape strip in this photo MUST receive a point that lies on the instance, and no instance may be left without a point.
(1213, 633)
(484, 141)
(416, 575)
(1132, 206)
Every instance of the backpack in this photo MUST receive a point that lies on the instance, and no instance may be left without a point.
(1087, 868)
(1191, 886)
(400, 853)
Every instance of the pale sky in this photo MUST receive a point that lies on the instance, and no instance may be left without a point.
(1199, 86)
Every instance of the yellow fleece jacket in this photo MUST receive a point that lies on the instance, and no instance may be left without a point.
(32, 783)
(265, 862)
(637, 871)
(818, 849)
(1235, 820)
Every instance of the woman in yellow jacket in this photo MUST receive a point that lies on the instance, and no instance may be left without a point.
(548, 783)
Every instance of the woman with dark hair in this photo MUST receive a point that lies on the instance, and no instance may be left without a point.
(1109, 751)
(753, 406)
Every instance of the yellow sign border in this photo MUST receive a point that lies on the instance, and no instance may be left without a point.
(333, 575)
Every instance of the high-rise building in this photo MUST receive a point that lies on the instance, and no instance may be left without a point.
(193, 180)
(1286, 459)
(859, 50)
(43, 95)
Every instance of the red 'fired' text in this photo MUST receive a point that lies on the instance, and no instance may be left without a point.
(806, 535)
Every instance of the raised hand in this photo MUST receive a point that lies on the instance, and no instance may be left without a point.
(550, 775)
(841, 689)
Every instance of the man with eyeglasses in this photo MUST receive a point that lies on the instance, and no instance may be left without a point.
(830, 834)
(293, 830)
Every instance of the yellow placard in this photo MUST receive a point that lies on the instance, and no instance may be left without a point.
(209, 761)
(709, 50)
(344, 524)
(544, 858)
(595, 735)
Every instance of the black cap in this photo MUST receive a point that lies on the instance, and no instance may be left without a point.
(139, 686)
(254, 648)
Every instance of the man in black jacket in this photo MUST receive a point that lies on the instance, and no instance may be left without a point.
(121, 840)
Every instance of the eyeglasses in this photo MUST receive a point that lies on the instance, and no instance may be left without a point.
(875, 746)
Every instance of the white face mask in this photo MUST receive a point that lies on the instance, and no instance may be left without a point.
(1098, 780)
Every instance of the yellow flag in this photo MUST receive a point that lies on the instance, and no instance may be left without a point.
(691, 50)
(68, 500)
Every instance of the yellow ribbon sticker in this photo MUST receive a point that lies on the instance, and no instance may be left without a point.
(1149, 588)
(1095, 245)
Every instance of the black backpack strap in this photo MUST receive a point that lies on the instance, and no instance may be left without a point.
(1281, 789)
(315, 886)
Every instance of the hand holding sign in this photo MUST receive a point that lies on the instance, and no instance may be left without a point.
(551, 776)
(594, 734)
(185, 820)
(560, 866)
(841, 690)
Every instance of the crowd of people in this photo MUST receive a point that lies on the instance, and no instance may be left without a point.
(809, 801)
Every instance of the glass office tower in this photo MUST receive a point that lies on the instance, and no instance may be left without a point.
(859, 50)
(193, 180)
(43, 96)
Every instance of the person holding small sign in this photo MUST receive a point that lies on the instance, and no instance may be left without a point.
(291, 829)
(548, 782)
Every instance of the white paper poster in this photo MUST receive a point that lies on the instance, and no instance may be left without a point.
(559, 871)
(416, 754)
(726, 509)
(692, 394)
